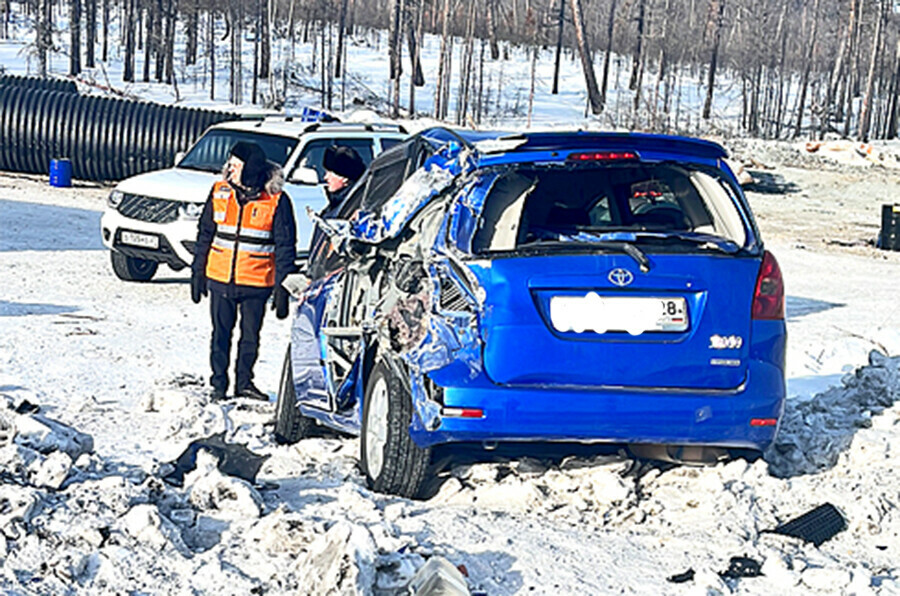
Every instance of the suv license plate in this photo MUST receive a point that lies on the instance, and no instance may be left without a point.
(633, 315)
(142, 240)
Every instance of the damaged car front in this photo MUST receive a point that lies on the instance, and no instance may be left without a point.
(544, 287)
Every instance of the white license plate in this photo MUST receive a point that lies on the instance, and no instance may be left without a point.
(604, 314)
(142, 240)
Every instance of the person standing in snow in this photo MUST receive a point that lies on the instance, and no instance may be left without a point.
(245, 247)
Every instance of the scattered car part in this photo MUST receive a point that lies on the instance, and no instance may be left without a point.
(232, 459)
(438, 577)
(816, 526)
(739, 567)
(680, 578)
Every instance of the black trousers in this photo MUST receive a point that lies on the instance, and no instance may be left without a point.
(224, 311)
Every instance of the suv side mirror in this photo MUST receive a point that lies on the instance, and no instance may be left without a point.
(303, 175)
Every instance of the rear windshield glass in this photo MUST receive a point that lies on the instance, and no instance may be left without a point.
(211, 151)
(530, 205)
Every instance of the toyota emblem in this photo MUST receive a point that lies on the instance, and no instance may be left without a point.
(620, 277)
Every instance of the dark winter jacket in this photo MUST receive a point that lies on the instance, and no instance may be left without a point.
(284, 231)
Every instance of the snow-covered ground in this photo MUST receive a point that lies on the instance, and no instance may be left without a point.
(126, 364)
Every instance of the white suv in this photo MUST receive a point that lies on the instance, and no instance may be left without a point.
(152, 218)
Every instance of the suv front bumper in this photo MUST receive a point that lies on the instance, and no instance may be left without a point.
(176, 239)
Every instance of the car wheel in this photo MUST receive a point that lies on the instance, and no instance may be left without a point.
(392, 462)
(132, 269)
(290, 425)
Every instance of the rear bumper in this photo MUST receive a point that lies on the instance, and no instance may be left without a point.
(615, 415)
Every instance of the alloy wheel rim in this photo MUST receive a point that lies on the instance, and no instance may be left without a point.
(376, 427)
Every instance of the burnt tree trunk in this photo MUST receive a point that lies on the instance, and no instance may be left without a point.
(804, 81)
(211, 51)
(636, 59)
(714, 56)
(237, 82)
(342, 31)
(396, 49)
(584, 50)
(560, 21)
(128, 69)
(865, 113)
(90, 34)
(74, 37)
(191, 26)
(169, 40)
(492, 28)
(610, 27)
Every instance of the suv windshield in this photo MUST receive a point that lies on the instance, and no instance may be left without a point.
(211, 151)
(635, 202)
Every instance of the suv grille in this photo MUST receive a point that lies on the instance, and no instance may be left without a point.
(149, 209)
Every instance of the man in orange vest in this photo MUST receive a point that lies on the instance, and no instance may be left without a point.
(245, 248)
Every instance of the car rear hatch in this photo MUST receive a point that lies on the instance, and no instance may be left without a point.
(609, 269)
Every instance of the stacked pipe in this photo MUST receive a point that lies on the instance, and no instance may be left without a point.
(105, 139)
(48, 84)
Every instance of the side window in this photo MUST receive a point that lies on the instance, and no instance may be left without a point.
(387, 143)
(383, 183)
(313, 152)
(601, 214)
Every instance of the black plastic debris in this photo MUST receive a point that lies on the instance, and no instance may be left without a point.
(742, 567)
(26, 407)
(817, 526)
(233, 460)
(680, 578)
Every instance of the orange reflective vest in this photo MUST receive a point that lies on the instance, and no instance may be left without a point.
(243, 247)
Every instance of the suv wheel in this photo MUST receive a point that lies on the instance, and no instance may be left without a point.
(290, 424)
(131, 268)
(392, 462)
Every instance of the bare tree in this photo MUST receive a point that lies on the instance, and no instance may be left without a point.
(44, 36)
(236, 19)
(637, 56)
(74, 37)
(396, 49)
(804, 82)
(560, 21)
(865, 114)
(584, 50)
(606, 57)
(717, 8)
(90, 30)
(128, 70)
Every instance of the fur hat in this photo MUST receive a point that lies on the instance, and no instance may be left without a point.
(344, 161)
(256, 169)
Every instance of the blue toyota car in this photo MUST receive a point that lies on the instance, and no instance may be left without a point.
(491, 287)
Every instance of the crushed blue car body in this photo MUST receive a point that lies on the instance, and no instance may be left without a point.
(591, 287)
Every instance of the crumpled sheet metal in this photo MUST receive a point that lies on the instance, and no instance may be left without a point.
(415, 193)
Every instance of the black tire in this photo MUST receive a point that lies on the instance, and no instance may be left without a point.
(403, 464)
(290, 425)
(132, 269)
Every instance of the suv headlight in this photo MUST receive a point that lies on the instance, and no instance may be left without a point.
(115, 199)
(190, 211)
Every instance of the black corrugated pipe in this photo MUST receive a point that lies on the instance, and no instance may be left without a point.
(106, 139)
(47, 84)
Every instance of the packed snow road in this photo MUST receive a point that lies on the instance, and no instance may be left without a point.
(127, 365)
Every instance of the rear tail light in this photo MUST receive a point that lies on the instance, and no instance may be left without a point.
(604, 156)
(768, 300)
(763, 421)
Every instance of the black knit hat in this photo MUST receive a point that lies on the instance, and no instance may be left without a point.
(344, 161)
(255, 169)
